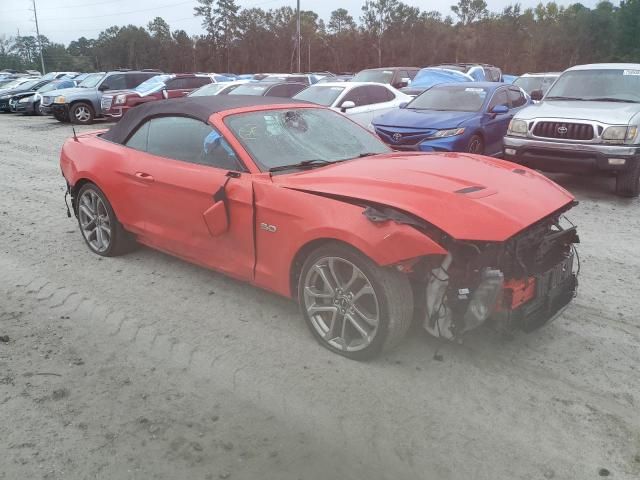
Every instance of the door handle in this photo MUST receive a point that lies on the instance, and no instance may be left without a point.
(145, 177)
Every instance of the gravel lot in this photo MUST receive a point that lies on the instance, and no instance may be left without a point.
(144, 366)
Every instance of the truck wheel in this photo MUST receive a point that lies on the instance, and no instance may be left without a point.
(61, 117)
(352, 306)
(628, 182)
(81, 113)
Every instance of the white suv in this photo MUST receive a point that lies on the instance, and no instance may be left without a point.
(588, 121)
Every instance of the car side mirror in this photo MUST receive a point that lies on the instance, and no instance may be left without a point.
(500, 109)
(165, 94)
(103, 87)
(537, 95)
(346, 106)
(403, 105)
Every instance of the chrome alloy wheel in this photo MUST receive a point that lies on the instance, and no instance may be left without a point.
(82, 114)
(94, 221)
(341, 304)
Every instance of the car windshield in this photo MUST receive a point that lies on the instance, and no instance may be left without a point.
(428, 78)
(250, 89)
(29, 84)
(275, 138)
(208, 90)
(54, 86)
(49, 76)
(615, 85)
(12, 84)
(529, 84)
(451, 98)
(151, 85)
(91, 80)
(320, 94)
(377, 76)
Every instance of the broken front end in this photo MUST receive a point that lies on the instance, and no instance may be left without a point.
(520, 283)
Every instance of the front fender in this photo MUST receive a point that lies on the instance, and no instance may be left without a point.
(293, 220)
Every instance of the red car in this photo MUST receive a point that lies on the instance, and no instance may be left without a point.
(117, 102)
(299, 200)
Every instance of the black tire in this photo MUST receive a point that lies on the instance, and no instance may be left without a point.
(120, 241)
(81, 113)
(476, 145)
(61, 117)
(628, 181)
(36, 109)
(392, 291)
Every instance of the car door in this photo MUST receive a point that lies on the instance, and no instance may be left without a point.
(193, 194)
(496, 124)
(361, 113)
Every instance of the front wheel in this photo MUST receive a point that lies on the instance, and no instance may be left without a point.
(61, 116)
(81, 113)
(475, 145)
(100, 228)
(352, 306)
(628, 182)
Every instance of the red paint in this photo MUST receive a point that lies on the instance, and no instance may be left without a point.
(172, 211)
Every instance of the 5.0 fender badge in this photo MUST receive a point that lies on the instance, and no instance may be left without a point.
(268, 228)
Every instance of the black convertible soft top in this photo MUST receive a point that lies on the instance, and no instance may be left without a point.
(200, 108)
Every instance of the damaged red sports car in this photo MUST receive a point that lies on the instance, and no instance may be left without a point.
(299, 200)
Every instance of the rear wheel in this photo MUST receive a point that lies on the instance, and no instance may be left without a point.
(352, 306)
(81, 113)
(628, 182)
(100, 228)
(475, 145)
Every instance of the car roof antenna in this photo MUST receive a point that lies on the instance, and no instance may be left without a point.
(75, 137)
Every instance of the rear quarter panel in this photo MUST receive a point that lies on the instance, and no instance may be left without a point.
(103, 163)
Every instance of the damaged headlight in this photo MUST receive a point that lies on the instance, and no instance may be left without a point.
(484, 298)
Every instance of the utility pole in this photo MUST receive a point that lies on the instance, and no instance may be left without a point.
(297, 36)
(35, 16)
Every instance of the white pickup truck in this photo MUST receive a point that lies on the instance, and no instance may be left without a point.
(587, 122)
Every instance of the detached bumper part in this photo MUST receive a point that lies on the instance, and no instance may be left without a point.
(441, 321)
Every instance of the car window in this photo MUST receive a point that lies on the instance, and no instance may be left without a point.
(413, 73)
(185, 139)
(278, 91)
(358, 96)
(177, 84)
(379, 94)
(499, 98)
(139, 139)
(197, 82)
(516, 98)
(115, 82)
(294, 88)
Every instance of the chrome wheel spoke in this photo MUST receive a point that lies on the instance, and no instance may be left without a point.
(313, 292)
(367, 289)
(325, 278)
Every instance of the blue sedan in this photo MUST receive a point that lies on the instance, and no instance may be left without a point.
(453, 117)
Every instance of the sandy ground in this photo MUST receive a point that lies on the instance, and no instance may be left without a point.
(146, 367)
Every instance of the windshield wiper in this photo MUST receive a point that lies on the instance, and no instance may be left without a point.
(611, 99)
(566, 98)
(367, 154)
(303, 164)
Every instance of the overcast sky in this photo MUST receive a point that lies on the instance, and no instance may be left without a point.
(65, 20)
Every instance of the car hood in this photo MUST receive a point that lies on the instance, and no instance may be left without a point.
(505, 198)
(606, 112)
(408, 118)
(113, 93)
(70, 91)
(14, 91)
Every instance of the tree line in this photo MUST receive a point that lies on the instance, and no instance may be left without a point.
(385, 32)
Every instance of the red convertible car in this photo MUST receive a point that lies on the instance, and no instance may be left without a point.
(300, 200)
